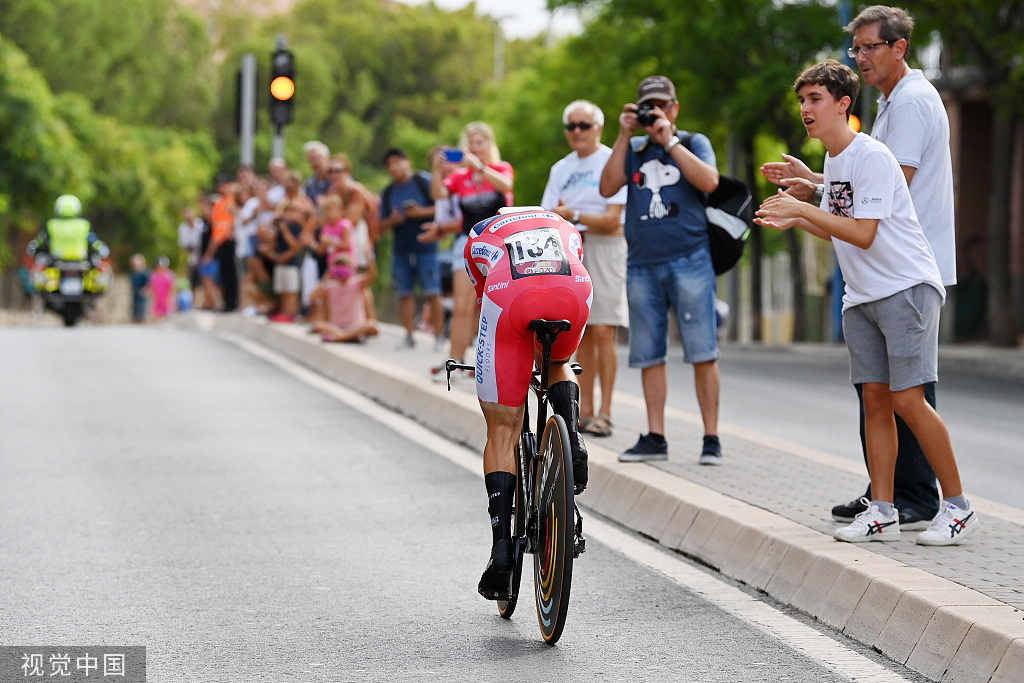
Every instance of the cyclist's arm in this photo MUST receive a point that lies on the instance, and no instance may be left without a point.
(475, 274)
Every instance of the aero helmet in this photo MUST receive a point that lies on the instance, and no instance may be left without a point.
(67, 206)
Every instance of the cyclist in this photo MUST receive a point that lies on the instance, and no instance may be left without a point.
(525, 263)
(68, 236)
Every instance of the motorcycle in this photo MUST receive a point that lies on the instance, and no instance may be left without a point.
(67, 287)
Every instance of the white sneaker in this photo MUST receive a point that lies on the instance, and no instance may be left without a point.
(870, 525)
(950, 526)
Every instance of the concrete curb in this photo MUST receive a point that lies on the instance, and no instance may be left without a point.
(943, 630)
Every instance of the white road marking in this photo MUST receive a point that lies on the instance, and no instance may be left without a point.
(810, 642)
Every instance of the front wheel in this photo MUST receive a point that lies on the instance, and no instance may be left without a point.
(552, 559)
(70, 313)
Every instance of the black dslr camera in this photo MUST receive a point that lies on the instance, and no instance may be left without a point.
(645, 115)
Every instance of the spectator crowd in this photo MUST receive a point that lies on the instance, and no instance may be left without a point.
(298, 249)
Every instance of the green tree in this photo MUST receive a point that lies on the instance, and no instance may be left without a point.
(39, 157)
(370, 75)
(133, 181)
(989, 36)
(142, 177)
(140, 61)
(733, 63)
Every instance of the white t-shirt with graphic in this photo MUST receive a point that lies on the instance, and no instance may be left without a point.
(576, 180)
(866, 181)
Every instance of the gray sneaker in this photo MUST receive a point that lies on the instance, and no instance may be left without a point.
(648, 447)
(712, 453)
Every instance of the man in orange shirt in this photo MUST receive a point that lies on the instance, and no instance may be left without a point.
(219, 260)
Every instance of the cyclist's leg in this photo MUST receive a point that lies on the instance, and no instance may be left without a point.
(504, 362)
(565, 401)
(504, 424)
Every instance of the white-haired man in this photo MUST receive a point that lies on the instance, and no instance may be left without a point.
(318, 155)
(573, 192)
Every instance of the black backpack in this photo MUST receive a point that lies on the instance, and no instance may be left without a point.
(730, 210)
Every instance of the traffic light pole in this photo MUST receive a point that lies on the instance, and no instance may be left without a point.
(277, 149)
(247, 110)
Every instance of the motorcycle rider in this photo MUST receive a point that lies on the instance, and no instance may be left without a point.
(69, 237)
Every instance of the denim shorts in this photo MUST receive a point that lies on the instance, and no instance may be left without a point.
(458, 253)
(407, 268)
(686, 285)
(210, 270)
(895, 340)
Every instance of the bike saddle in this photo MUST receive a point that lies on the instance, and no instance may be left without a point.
(550, 326)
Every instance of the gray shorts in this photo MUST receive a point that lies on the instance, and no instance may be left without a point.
(895, 340)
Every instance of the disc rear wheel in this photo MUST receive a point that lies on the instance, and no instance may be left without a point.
(552, 559)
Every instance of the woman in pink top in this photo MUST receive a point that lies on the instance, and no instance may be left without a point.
(483, 184)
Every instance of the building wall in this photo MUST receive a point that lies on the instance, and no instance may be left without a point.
(970, 119)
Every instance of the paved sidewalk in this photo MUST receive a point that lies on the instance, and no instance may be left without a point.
(953, 614)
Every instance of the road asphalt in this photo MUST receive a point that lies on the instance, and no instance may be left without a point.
(953, 614)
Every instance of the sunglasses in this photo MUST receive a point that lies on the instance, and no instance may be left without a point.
(582, 126)
(337, 170)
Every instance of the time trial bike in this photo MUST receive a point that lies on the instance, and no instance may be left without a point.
(545, 519)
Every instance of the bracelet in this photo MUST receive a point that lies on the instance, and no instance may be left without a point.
(672, 143)
(575, 217)
(819, 193)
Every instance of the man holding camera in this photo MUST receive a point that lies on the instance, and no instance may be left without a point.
(669, 261)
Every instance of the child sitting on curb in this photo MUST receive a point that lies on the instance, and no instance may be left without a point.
(338, 306)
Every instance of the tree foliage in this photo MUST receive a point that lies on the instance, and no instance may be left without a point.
(131, 103)
(369, 74)
(39, 158)
(139, 61)
(988, 35)
(133, 180)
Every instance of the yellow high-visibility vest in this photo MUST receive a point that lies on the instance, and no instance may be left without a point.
(69, 238)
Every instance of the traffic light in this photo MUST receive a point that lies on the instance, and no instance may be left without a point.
(282, 87)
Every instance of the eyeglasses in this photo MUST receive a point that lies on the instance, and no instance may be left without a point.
(337, 170)
(867, 49)
(583, 125)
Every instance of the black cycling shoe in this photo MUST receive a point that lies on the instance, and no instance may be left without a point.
(496, 582)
